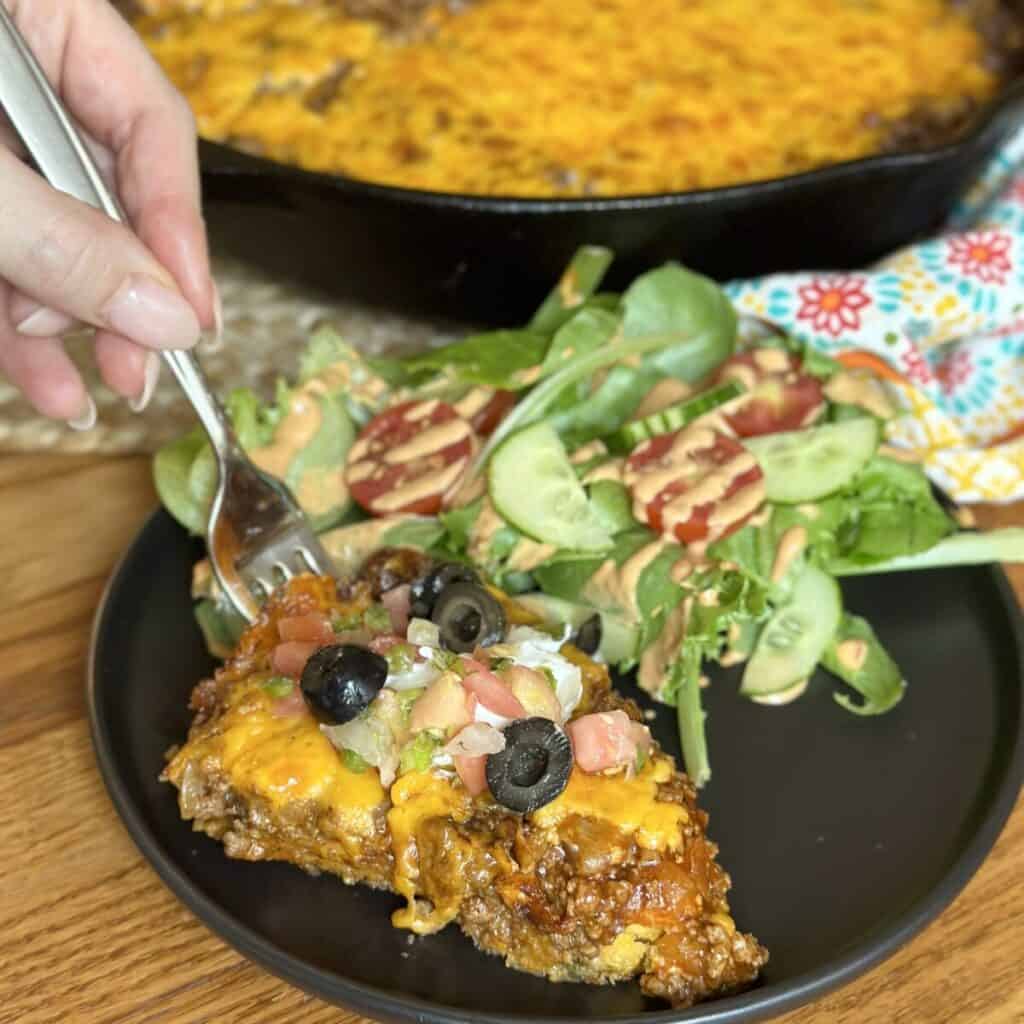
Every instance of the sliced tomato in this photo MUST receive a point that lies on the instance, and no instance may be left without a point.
(289, 658)
(603, 740)
(473, 772)
(780, 396)
(312, 627)
(493, 694)
(673, 470)
(408, 456)
(490, 415)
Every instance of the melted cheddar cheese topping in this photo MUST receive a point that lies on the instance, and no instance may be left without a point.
(286, 759)
(630, 804)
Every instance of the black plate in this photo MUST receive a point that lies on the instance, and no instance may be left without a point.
(491, 260)
(844, 836)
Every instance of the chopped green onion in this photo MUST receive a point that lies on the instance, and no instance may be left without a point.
(279, 686)
(406, 699)
(342, 623)
(399, 658)
(377, 618)
(418, 753)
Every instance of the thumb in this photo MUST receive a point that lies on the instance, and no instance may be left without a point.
(73, 258)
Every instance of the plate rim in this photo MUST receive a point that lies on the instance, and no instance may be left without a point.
(758, 1003)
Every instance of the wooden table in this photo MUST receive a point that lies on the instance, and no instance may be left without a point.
(88, 932)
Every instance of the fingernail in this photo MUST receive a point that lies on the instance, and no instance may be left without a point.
(213, 339)
(86, 419)
(44, 323)
(150, 376)
(145, 311)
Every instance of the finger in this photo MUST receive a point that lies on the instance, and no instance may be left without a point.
(42, 371)
(30, 318)
(73, 258)
(121, 97)
(127, 369)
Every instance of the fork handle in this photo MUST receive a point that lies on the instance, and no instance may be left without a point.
(50, 136)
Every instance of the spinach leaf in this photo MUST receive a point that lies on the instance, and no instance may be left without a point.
(606, 409)
(578, 282)
(866, 667)
(496, 359)
(587, 330)
(320, 465)
(568, 573)
(458, 524)
(673, 300)
(171, 468)
(421, 534)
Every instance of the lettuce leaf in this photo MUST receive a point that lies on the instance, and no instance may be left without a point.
(888, 511)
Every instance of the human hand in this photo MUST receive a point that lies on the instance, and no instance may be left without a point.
(62, 261)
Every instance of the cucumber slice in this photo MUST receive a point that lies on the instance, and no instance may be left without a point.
(613, 505)
(618, 637)
(804, 465)
(534, 486)
(795, 637)
(674, 417)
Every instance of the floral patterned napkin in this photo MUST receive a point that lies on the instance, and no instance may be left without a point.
(943, 323)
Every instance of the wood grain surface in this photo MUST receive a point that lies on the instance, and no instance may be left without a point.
(88, 932)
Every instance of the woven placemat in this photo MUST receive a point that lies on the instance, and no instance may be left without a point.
(266, 325)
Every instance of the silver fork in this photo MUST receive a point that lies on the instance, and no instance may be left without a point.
(257, 535)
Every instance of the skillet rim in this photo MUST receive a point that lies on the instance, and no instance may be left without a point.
(220, 160)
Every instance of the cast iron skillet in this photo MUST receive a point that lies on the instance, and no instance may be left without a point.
(491, 260)
(843, 836)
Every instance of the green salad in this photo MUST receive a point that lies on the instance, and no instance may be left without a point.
(687, 485)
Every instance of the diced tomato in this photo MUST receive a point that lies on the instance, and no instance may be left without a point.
(313, 627)
(779, 395)
(473, 772)
(532, 689)
(289, 658)
(703, 461)
(603, 740)
(407, 457)
(494, 694)
(397, 602)
(490, 415)
(443, 706)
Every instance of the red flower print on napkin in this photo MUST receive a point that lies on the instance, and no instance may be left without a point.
(833, 304)
(981, 254)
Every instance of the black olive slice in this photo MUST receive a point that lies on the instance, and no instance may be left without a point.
(588, 637)
(426, 590)
(342, 679)
(467, 617)
(533, 768)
